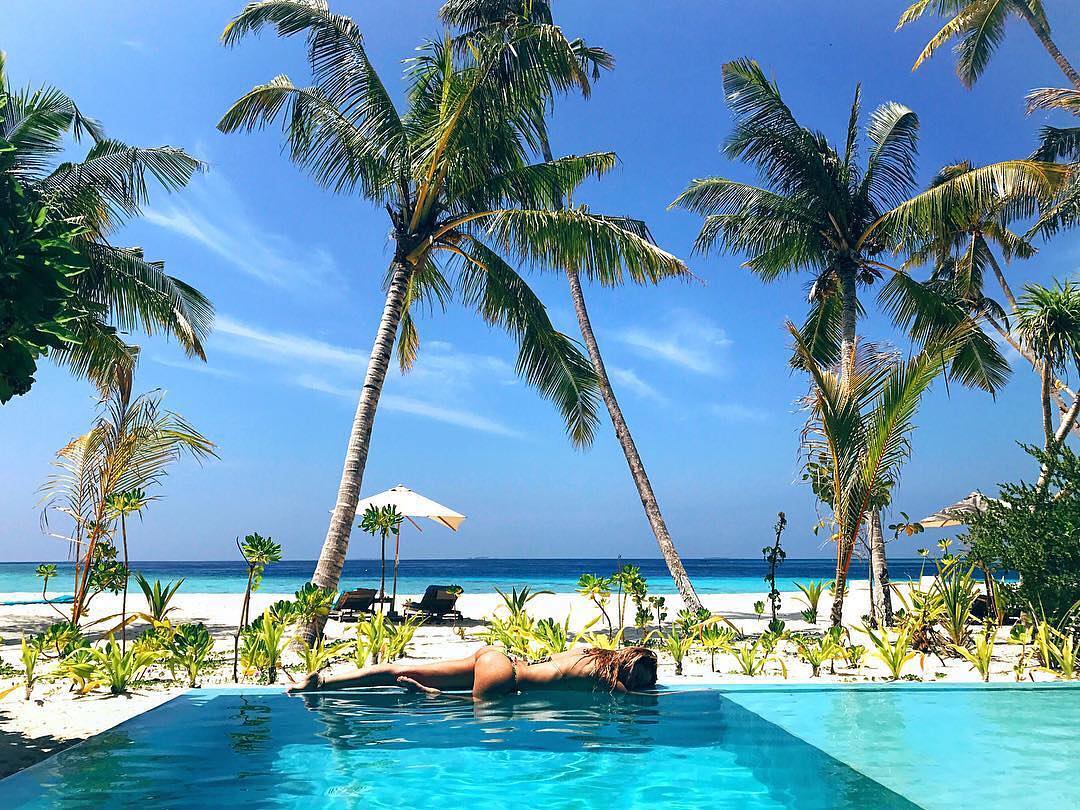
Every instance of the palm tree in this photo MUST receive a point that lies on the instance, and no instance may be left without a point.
(258, 552)
(1060, 144)
(1048, 322)
(816, 207)
(479, 19)
(961, 249)
(121, 290)
(858, 434)
(818, 211)
(122, 504)
(453, 175)
(979, 26)
(130, 447)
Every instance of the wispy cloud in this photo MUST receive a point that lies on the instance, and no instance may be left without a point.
(242, 242)
(627, 379)
(136, 45)
(734, 412)
(432, 390)
(197, 366)
(416, 407)
(282, 347)
(690, 342)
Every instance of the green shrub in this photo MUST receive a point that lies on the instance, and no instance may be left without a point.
(981, 655)
(189, 650)
(677, 646)
(119, 669)
(894, 652)
(1036, 534)
(30, 654)
(158, 596)
(812, 592)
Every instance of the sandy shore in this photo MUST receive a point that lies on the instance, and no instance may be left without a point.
(56, 717)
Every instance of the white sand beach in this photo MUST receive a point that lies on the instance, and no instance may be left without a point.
(31, 730)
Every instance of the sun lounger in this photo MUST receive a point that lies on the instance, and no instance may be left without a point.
(439, 603)
(352, 603)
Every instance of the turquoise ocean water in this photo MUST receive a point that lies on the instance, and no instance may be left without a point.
(474, 575)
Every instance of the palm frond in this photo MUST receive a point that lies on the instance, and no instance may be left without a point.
(890, 170)
(1052, 98)
(547, 359)
(599, 247)
(983, 188)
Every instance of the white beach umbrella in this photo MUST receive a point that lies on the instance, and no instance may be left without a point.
(411, 505)
(959, 513)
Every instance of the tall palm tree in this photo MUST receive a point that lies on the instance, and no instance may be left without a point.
(122, 290)
(452, 171)
(979, 27)
(478, 19)
(131, 446)
(818, 211)
(858, 433)
(963, 246)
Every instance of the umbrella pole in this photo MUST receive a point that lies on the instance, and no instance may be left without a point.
(397, 550)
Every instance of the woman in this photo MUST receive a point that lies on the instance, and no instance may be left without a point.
(490, 672)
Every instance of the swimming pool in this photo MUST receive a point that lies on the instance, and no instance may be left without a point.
(808, 747)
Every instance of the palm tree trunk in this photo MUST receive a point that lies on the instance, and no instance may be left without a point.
(633, 459)
(1051, 48)
(879, 565)
(240, 626)
(836, 614)
(849, 313)
(332, 556)
(1067, 422)
(622, 433)
(123, 599)
(1048, 419)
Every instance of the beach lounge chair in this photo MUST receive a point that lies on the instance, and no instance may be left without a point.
(352, 603)
(439, 603)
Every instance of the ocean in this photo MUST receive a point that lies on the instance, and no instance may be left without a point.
(475, 575)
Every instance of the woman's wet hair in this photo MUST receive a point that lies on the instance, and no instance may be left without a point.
(633, 667)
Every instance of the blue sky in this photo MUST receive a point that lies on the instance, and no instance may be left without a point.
(295, 274)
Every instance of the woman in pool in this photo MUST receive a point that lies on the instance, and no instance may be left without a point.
(490, 672)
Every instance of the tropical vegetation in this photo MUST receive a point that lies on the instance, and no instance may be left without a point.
(68, 211)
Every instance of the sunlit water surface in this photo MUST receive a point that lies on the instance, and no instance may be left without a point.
(748, 748)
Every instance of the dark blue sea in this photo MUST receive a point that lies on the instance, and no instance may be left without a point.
(476, 575)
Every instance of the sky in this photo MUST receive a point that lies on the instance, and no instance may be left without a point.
(700, 368)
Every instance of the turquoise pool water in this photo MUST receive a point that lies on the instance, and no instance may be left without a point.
(861, 747)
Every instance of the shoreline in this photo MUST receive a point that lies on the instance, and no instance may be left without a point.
(31, 731)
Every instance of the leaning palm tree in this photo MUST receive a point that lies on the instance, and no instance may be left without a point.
(979, 27)
(453, 174)
(130, 447)
(122, 290)
(857, 436)
(818, 210)
(481, 19)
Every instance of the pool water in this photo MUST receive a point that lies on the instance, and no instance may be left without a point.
(837, 747)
